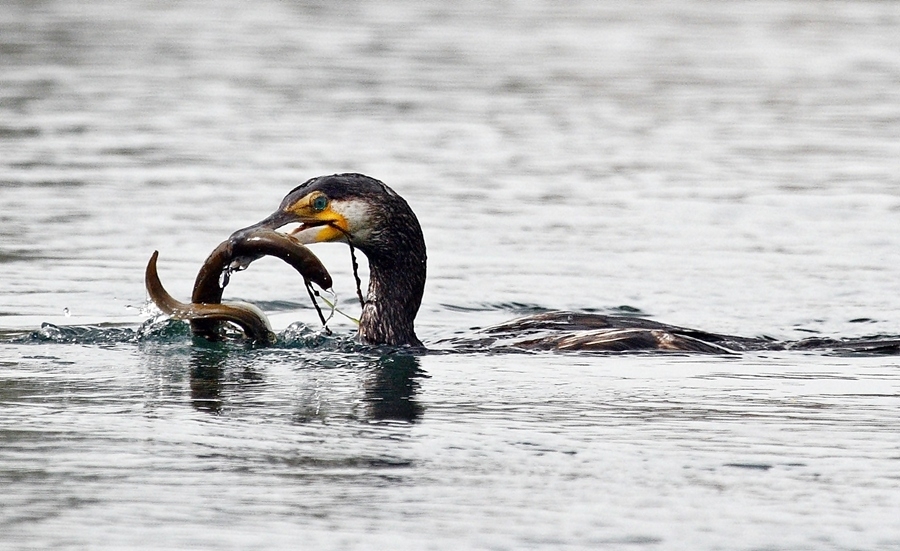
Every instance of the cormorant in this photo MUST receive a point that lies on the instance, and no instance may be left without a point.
(373, 218)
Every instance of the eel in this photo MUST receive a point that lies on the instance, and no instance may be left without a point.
(206, 312)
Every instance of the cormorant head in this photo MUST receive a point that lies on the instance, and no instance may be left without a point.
(340, 207)
(369, 216)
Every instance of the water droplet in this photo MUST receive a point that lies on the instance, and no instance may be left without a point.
(66, 312)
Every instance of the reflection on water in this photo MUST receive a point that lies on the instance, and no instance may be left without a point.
(390, 382)
(207, 369)
(391, 388)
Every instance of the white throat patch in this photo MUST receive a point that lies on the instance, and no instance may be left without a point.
(358, 217)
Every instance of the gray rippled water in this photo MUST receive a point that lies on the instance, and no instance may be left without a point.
(727, 166)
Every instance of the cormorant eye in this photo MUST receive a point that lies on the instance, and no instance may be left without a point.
(319, 203)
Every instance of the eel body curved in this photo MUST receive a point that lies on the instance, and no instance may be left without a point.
(206, 312)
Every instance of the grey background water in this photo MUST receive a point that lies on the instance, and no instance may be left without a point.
(731, 166)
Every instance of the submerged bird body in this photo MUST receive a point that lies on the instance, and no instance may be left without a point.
(585, 332)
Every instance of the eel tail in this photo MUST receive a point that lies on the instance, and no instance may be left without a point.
(249, 318)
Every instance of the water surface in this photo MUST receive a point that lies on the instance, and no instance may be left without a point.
(732, 167)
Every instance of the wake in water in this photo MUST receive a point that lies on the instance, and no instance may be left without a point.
(163, 329)
(513, 337)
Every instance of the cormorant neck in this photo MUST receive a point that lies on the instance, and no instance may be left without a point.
(397, 266)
